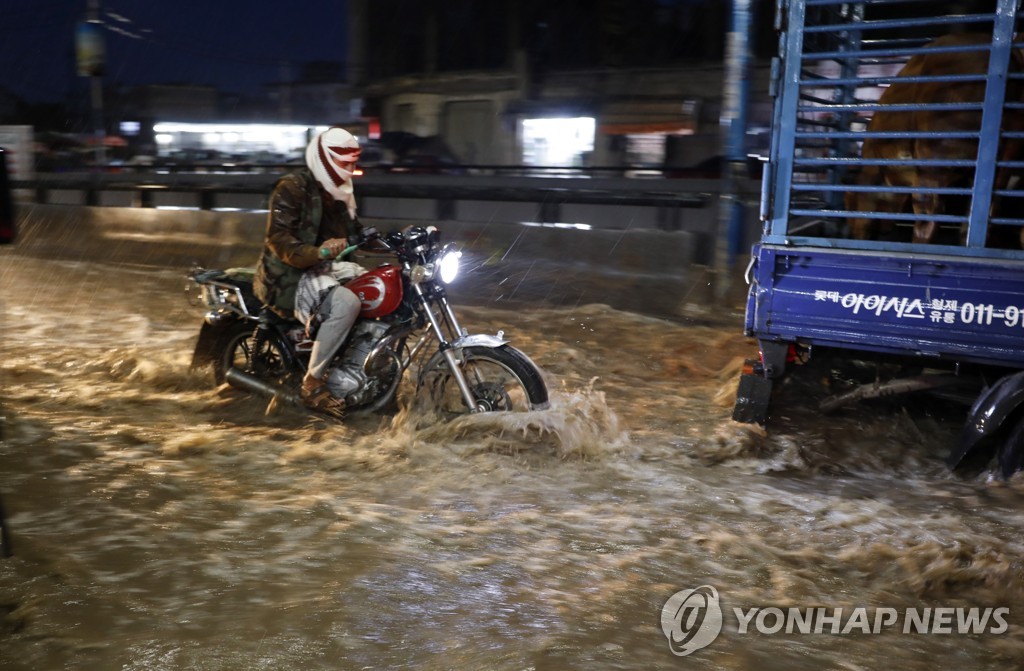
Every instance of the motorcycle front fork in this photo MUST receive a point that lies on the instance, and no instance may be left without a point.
(446, 347)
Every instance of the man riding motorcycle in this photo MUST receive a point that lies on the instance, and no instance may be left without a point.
(312, 218)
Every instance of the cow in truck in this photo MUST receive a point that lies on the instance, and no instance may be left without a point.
(909, 118)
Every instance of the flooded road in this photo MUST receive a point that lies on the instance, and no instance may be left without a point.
(159, 523)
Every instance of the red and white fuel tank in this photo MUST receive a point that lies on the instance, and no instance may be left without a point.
(379, 291)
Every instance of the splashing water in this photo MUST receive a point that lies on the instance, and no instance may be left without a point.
(163, 523)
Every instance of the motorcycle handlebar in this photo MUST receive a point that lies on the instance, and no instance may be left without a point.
(345, 252)
(365, 237)
(392, 242)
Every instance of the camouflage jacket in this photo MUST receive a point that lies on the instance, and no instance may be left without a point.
(301, 218)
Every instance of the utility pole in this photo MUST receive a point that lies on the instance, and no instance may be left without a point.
(733, 121)
(89, 45)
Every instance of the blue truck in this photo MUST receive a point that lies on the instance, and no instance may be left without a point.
(891, 216)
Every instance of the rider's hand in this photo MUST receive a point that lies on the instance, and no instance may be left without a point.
(333, 247)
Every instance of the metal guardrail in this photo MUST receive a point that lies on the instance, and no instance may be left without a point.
(638, 192)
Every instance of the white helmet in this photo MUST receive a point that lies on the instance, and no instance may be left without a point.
(331, 157)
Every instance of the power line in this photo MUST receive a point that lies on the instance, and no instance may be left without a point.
(133, 31)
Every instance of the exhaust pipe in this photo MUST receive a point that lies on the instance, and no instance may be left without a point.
(243, 380)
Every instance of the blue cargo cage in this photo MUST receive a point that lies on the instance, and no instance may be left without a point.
(892, 219)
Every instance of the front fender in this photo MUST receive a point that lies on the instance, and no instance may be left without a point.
(978, 439)
(481, 340)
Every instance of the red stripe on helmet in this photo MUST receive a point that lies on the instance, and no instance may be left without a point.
(337, 179)
(345, 151)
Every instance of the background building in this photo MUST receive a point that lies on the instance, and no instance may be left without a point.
(579, 83)
(500, 82)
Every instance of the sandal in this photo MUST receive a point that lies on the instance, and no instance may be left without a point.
(318, 398)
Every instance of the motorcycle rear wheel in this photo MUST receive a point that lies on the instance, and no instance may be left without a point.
(238, 348)
(501, 379)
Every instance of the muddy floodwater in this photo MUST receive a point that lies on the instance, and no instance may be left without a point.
(160, 523)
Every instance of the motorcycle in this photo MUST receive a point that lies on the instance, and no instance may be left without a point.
(405, 317)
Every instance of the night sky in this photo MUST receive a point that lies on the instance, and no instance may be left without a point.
(236, 45)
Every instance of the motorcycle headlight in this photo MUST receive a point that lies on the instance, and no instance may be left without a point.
(448, 266)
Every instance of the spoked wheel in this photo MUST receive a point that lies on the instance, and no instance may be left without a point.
(501, 379)
(240, 349)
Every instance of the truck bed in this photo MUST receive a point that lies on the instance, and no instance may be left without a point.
(929, 306)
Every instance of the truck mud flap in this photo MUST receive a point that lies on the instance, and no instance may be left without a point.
(752, 399)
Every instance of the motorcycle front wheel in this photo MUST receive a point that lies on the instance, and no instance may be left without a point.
(501, 379)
